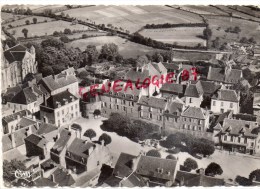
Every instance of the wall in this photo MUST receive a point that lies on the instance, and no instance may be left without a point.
(226, 106)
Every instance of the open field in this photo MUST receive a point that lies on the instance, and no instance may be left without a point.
(248, 28)
(47, 28)
(20, 22)
(203, 10)
(247, 10)
(133, 18)
(127, 48)
(8, 17)
(32, 7)
(90, 33)
(185, 36)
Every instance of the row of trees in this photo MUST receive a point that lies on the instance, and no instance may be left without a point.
(189, 143)
(168, 25)
(132, 129)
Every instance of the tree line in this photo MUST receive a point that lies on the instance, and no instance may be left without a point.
(168, 25)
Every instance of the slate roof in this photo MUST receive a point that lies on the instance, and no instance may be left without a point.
(24, 122)
(15, 53)
(194, 90)
(62, 178)
(12, 117)
(238, 127)
(25, 96)
(123, 165)
(60, 98)
(45, 128)
(175, 106)
(158, 168)
(133, 180)
(55, 82)
(159, 67)
(111, 181)
(173, 88)
(193, 179)
(62, 141)
(194, 112)
(209, 87)
(80, 148)
(44, 182)
(171, 66)
(153, 102)
(37, 140)
(216, 74)
(233, 76)
(226, 95)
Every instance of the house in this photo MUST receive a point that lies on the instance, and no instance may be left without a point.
(28, 98)
(173, 68)
(172, 114)
(16, 63)
(62, 177)
(227, 76)
(194, 95)
(195, 121)
(158, 171)
(152, 109)
(172, 89)
(48, 131)
(238, 136)
(256, 104)
(133, 180)
(82, 156)
(189, 179)
(66, 80)
(60, 109)
(36, 146)
(224, 100)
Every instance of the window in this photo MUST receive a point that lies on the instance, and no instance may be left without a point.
(239, 139)
(124, 102)
(231, 138)
(214, 103)
(200, 121)
(199, 128)
(34, 105)
(190, 100)
(110, 106)
(222, 103)
(62, 112)
(194, 128)
(124, 108)
(71, 107)
(117, 107)
(76, 106)
(161, 110)
(245, 140)
(133, 103)
(105, 104)
(160, 118)
(188, 127)
(150, 115)
(231, 105)
(225, 138)
(183, 126)
(150, 109)
(9, 105)
(58, 114)
(98, 163)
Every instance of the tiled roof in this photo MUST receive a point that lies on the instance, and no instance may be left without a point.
(25, 96)
(37, 140)
(237, 127)
(62, 178)
(226, 95)
(173, 88)
(194, 90)
(133, 180)
(123, 165)
(45, 128)
(80, 148)
(209, 87)
(195, 112)
(228, 76)
(62, 141)
(153, 102)
(216, 74)
(156, 167)
(15, 53)
(193, 179)
(13, 117)
(60, 99)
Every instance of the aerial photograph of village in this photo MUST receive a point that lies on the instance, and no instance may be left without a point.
(130, 95)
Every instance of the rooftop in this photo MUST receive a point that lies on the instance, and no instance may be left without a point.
(195, 112)
(153, 102)
(226, 95)
(80, 148)
(60, 99)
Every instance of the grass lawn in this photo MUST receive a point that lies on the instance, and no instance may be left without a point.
(186, 36)
(127, 48)
(47, 28)
(133, 18)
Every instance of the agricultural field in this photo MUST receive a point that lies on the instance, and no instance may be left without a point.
(54, 8)
(47, 28)
(185, 36)
(247, 10)
(32, 7)
(219, 24)
(203, 10)
(91, 33)
(21, 22)
(127, 48)
(8, 17)
(133, 18)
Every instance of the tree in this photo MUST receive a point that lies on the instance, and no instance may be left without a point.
(27, 22)
(171, 157)
(106, 138)
(142, 60)
(153, 153)
(216, 43)
(109, 51)
(255, 175)
(207, 33)
(97, 112)
(252, 40)
(51, 42)
(190, 163)
(46, 71)
(90, 133)
(213, 169)
(84, 36)
(236, 29)
(243, 181)
(28, 77)
(9, 167)
(67, 31)
(64, 39)
(92, 53)
(25, 32)
(243, 40)
(35, 20)
(56, 33)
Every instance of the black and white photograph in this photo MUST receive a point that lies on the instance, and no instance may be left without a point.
(130, 95)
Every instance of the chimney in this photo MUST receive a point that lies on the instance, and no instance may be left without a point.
(201, 171)
(34, 118)
(102, 142)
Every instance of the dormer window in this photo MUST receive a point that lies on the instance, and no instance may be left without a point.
(82, 160)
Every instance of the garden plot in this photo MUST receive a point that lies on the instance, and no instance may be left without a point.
(185, 36)
(47, 28)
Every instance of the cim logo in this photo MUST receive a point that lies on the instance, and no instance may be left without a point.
(23, 174)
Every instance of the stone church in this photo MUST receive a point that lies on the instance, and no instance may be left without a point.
(16, 63)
